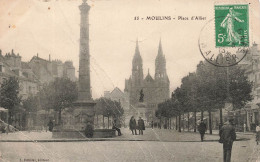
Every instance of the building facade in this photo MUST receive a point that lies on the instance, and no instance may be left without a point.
(32, 75)
(47, 70)
(155, 90)
(251, 63)
(12, 66)
(117, 95)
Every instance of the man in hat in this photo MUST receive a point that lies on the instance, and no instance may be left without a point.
(116, 126)
(50, 125)
(202, 129)
(141, 126)
(227, 137)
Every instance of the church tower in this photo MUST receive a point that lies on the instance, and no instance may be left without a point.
(136, 80)
(155, 90)
(137, 68)
(161, 77)
(160, 64)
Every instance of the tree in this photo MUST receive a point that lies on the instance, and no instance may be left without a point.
(189, 96)
(108, 108)
(31, 104)
(208, 89)
(220, 85)
(58, 95)
(9, 96)
(159, 112)
(179, 103)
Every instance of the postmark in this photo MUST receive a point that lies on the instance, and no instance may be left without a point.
(224, 40)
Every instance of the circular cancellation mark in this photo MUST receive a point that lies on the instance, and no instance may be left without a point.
(231, 53)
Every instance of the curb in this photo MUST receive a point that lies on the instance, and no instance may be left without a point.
(110, 139)
(73, 140)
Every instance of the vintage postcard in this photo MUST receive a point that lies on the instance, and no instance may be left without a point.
(129, 80)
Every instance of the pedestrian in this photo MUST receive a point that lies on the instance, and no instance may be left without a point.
(132, 125)
(141, 126)
(227, 137)
(202, 129)
(50, 125)
(89, 130)
(257, 130)
(7, 129)
(152, 124)
(116, 126)
(244, 127)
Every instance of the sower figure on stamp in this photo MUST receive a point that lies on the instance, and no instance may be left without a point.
(202, 129)
(228, 23)
(227, 137)
(141, 126)
(132, 125)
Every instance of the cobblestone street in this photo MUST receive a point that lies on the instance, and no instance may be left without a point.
(156, 147)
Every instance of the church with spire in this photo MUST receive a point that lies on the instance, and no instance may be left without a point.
(155, 89)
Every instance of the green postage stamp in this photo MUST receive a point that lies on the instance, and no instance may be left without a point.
(231, 26)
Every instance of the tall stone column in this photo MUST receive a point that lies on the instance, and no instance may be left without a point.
(84, 93)
(84, 106)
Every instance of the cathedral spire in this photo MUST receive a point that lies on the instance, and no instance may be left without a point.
(137, 52)
(137, 56)
(160, 57)
(160, 63)
(160, 51)
(137, 66)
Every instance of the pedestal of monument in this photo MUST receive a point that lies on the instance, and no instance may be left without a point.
(75, 123)
(75, 120)
(142, 110)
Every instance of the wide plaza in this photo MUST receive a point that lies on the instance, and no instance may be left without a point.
(154, 145)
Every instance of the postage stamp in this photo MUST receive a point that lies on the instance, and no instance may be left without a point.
(231, 26)
(224, 39)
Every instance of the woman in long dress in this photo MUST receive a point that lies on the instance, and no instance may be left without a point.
(228, 23)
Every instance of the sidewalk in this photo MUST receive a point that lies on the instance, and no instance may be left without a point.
(164, 135)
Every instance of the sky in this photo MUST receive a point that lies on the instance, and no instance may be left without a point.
(51, 27)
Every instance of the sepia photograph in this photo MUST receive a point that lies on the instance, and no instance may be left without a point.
(129, 80)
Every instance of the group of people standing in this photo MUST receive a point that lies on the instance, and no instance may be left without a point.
(133, 126)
